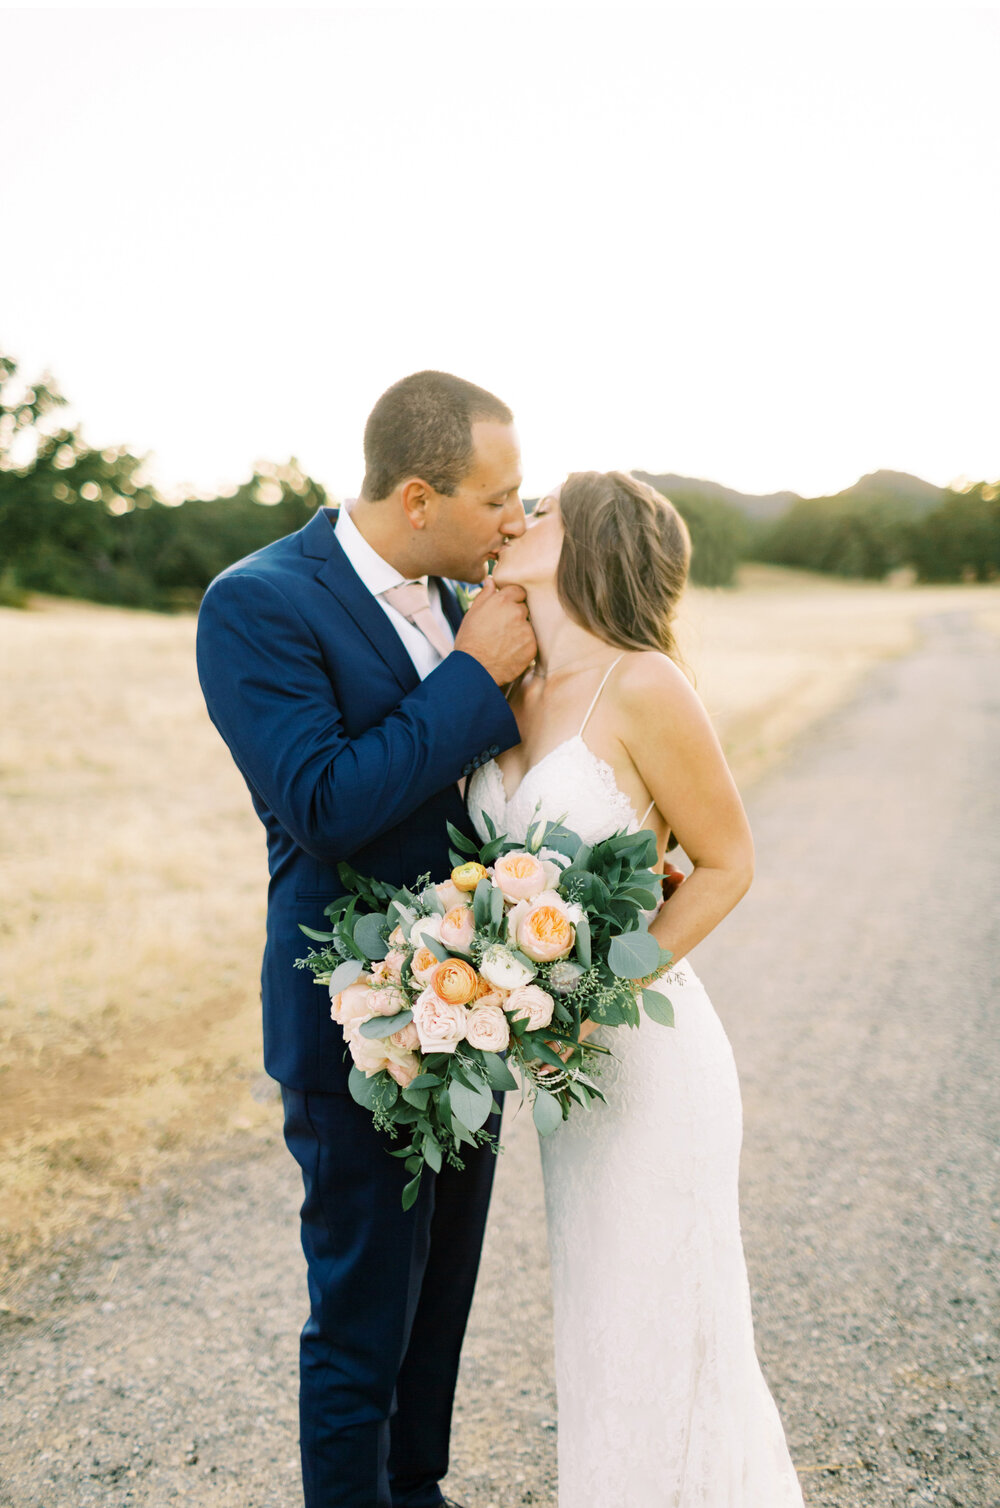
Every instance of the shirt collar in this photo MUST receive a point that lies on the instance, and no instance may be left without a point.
(377, 574)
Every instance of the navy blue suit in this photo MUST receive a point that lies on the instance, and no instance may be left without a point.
(349, 755)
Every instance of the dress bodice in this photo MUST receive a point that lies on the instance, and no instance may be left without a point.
(569, 785)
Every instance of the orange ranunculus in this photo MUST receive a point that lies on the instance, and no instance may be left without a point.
(454, 982)
(545, 933)
(467, 876)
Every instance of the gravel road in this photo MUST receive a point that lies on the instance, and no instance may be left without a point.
(153, 1358)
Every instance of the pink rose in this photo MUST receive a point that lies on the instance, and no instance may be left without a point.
(391, 966)
(488, 1029)
(449, 895)
(353, 1004)
(519, 875)
(406, 1037)
(440, 1026)
(388, 1000)
(532, 1002)
(457, 928)
(403, 1068)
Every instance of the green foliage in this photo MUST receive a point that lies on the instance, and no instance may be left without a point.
(80, 522)
(867, 532)
(960, 541)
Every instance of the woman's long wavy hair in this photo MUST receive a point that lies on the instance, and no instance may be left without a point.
(624, 560)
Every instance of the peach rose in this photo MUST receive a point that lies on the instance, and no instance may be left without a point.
(440, 1026)
(406, 1037)
(543, 931)
(519, 875)
(449, 895)
(545, 934)
(487, 1028)
(489, 994)
(392, 964)
(533, 1003)
(404, 1068)
(369, 1053)
(454, 982)
(353, 1004)
(422, 964)
(388, 1000)
(467, 876)
(457, 928)
(397, 938)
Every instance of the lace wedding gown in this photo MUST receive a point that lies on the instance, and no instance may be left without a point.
(662, 1403)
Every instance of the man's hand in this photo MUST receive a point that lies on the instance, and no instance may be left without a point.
(496, 632)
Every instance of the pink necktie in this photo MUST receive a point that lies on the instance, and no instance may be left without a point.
(411, 599)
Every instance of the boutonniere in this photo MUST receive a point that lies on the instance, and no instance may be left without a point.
(466, 595)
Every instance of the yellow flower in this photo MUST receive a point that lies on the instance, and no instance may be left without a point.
(467, 876)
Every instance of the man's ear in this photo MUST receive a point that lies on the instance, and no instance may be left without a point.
(417, 500)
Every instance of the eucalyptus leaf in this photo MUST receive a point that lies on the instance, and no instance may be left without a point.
(363, 1091)
(633, 955)
(411, 1191)
(497, 1072)
(436, 946)
(432, 901)
(496, 906)
(473, 1107)
(583, 941)
(344, 974)
(426, 1081)
(384, 1026)
(431, 1153)
(316, 936)
(658, 1007)
(368, 935)
(481, 904)
(546, 1113)
(461, 842)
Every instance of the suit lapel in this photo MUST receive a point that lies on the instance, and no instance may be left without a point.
(339, 577)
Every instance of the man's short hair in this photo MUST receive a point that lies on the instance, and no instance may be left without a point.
(422, 427)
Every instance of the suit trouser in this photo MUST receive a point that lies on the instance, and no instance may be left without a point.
(389, 1294)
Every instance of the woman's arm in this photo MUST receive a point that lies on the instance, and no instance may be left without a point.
(672, 743)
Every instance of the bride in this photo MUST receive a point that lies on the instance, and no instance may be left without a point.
(662, 1403)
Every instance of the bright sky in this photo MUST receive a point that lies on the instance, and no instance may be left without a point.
(758, 245)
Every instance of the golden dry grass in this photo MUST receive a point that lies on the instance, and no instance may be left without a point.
(132, 869)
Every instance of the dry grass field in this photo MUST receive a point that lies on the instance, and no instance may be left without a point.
(132, 870)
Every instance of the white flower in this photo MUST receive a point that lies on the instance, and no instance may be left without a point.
(486, 1028)
(501, 968)
(425, 926)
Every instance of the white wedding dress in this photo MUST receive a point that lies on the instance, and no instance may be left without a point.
(662, 1403)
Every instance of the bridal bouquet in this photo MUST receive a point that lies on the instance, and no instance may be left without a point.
(445, 991)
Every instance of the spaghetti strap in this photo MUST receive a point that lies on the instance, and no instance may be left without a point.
(642, 819)
(597, 693)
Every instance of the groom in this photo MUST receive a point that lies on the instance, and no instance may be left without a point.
(353, 696)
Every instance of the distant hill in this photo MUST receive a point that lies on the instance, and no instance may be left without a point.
(908, 495)
(754, 505)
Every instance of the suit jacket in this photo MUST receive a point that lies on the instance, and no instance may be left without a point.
(346, 752)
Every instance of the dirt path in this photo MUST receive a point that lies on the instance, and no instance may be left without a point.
(155, 1360)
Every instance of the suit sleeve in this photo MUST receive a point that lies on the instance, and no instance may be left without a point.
(269, 695)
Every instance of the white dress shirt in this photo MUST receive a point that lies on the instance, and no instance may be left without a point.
(379, 576)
